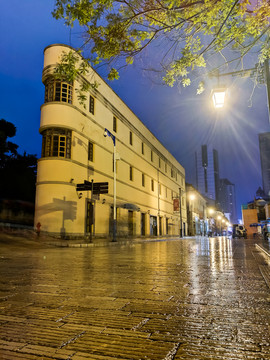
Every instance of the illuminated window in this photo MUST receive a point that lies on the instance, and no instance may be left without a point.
(56, 142)
(56, 90)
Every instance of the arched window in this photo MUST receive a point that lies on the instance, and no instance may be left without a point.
(57, 90)
(56, 142)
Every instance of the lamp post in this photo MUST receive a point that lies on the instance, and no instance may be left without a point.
(108, 133)
(219, 218)
(211, 212)
(192, 197)
(180, 211)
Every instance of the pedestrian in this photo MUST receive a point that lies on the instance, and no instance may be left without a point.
(38, 228)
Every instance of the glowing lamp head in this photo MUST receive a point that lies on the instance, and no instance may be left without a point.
(218, 97)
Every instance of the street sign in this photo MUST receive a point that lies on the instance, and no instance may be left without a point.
(80, 187)
(98, 187)
(101, 188)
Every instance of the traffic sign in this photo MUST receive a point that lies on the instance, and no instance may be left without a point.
(98, 187)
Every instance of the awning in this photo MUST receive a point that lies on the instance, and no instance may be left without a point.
(130, 206)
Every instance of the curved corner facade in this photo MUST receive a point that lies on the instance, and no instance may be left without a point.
(74, 150)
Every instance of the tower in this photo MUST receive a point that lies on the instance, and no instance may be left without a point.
(227, 198)
(207, 172)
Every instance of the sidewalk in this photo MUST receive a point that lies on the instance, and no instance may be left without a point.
(30, 235)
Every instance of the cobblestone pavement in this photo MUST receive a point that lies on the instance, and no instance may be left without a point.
(189, 299)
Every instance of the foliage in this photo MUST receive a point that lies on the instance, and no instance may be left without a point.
(17, 172)
(187, 32)
(7, 129)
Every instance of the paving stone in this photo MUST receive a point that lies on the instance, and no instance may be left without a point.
(195, 299)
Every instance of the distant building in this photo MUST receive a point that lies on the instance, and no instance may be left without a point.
(227, 199)
(264, 143)
(207, 172)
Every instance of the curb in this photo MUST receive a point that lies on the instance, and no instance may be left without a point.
(263, 249)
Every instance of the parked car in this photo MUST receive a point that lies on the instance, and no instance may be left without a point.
(239, 231)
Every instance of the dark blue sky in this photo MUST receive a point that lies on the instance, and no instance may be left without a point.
(179, 118)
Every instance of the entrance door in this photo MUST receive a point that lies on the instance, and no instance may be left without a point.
(130, 222)
(153, 225)
(142, 224)
(160, 225)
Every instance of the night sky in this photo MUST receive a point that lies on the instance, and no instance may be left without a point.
(179, 118)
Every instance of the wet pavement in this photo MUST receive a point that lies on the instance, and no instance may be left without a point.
(192, 299)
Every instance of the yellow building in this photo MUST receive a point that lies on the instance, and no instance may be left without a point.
(74, 150)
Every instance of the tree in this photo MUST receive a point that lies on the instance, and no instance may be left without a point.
(17, 172)
(7, 129)
(187, 32)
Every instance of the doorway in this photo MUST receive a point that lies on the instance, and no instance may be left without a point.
(142, 224)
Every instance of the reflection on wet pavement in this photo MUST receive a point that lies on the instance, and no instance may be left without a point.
(181, 299)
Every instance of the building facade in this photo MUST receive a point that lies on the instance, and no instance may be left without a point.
(207, 172)
(227, 199)
(264, 143)
(74, 150)
(196, 212)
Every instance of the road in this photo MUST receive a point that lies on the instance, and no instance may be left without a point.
(192, 299)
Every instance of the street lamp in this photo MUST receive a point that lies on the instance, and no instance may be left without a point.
(261, 72)
(108, 133)
(218, 97)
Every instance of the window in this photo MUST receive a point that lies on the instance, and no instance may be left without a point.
(152, 185)
(166, 191)
(172, 173)
(165, 167)
(114, 124)
(56, 142)
(56, 90)
(159, 163)
(142, 148)
(151, 155)
(131, 173)
(91, 105)
(143, 180)
(90, 151)
(130, 138)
